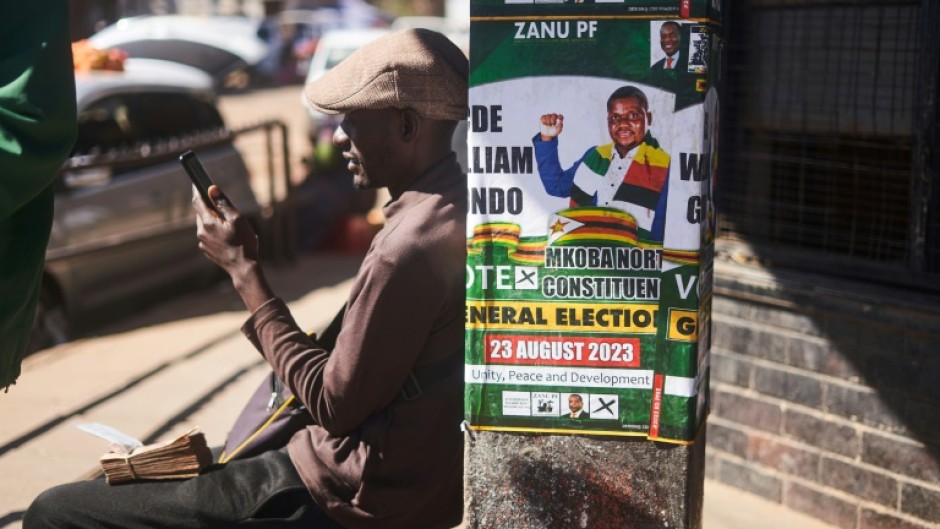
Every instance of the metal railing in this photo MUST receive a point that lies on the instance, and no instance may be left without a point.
(277, 222)
(279, 216)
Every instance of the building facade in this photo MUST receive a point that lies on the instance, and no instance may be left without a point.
(825, 379)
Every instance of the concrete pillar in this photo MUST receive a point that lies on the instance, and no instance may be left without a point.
(529, 481)
(592, 153)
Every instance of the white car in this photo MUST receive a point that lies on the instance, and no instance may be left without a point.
(226, 47)
(124, 227)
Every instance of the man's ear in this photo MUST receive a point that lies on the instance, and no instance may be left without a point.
(410, 125)
(649, 118)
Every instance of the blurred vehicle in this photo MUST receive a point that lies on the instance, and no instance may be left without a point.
(333, 47)
(124, 226)
(293, 35)
(228, 48)
(438, 24)
(305, 27)
(457, 32)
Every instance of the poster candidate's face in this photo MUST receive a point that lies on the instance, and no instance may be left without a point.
(575, 404)
(627, 121)
(669, 39)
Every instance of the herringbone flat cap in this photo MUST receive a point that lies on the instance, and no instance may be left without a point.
(415, 68)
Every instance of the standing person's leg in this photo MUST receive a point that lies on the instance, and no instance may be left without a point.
(259, 492)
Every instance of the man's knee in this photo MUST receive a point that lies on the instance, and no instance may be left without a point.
(53, 508)
(72, 505)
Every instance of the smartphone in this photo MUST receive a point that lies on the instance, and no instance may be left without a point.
(197, 173)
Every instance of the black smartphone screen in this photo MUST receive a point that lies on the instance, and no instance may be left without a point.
(197, 173)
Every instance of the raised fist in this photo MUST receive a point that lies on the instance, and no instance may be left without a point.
(550, 125)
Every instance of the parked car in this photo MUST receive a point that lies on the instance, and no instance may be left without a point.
(304, 27)
(124, 224)
(226, 47)
(333, 47)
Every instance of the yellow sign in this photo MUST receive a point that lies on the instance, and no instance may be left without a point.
(552, 316)
(683, 325)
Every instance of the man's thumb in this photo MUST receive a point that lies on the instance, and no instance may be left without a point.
(219, 200)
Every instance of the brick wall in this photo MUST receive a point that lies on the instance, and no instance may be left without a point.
(826, 397)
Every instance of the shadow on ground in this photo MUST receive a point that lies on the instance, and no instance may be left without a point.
(290, 281)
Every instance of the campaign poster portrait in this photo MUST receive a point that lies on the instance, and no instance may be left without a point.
(590, 187)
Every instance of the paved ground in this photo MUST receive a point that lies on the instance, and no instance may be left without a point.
(184, 363)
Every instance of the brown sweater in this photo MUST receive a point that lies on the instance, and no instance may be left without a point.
(373, 460)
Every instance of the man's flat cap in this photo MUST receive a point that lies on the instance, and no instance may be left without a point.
(416, 68)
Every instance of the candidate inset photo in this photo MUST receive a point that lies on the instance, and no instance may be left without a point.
(576, 407)
(666, 49)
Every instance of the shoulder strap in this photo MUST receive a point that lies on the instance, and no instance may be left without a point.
(424, 378)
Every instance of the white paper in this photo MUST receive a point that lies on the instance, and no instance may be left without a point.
(121, 439)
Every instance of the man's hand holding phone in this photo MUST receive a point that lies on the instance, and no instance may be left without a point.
(226, 237)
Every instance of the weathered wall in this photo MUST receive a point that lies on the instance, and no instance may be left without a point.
(826, 397)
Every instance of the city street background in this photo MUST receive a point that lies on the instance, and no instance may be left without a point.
(184, 363)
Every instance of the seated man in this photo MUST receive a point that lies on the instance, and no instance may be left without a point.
(376, 457)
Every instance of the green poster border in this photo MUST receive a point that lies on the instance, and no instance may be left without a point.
(496, 56)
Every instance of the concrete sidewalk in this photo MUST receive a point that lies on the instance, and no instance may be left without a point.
(183, 364)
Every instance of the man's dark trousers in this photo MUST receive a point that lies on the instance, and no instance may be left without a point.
(258, 492)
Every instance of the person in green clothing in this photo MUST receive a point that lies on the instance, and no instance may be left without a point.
(38, 125)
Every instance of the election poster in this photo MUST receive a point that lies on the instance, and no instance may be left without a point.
(591, 160)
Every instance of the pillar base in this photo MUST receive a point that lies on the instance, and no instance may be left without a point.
(533, 481)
